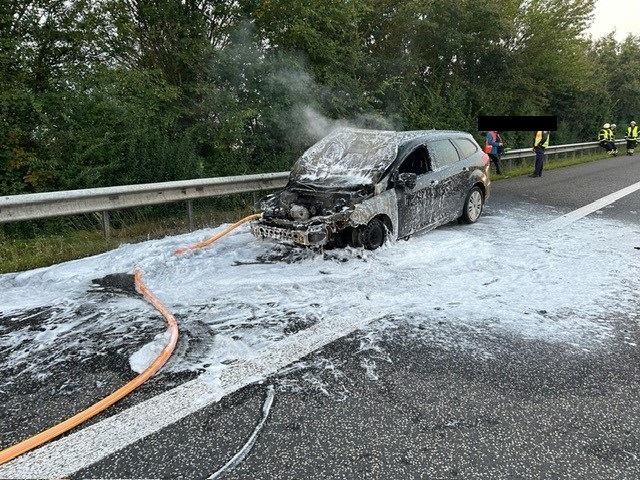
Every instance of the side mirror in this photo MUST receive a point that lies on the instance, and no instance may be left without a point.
(407, 180)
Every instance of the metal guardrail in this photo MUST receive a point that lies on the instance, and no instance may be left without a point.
(34, 206)
(556, 149)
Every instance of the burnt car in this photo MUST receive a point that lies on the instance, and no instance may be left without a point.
(358, 187)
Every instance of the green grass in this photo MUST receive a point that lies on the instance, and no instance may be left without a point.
(19, 252)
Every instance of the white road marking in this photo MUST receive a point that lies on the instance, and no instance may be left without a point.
(571, 217)
(64, 457)
(85, 447)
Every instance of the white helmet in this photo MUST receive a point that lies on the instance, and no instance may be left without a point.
(606, 125)
(632, 122)
(613, 125)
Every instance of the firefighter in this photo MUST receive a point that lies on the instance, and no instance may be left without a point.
(631, 137)
(540, 143)
(612, 138)
(604, 139)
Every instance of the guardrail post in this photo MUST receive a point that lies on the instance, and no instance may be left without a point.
(190, 215)
(106, 225)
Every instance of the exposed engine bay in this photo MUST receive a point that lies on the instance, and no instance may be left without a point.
(308, 214)
(300, 203)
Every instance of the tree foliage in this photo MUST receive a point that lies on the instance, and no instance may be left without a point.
(109, 92)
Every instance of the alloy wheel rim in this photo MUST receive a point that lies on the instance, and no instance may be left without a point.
(475, 205)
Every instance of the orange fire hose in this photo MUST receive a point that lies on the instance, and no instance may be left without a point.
(53, 432)
(218, 235)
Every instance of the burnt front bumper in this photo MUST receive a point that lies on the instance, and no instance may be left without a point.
(312, 235)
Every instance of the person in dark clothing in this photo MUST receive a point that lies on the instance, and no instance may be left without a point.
(494, 147)
(540, 143)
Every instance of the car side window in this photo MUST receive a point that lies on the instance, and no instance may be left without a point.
(443, 153)
(416, 162)
(465, 147)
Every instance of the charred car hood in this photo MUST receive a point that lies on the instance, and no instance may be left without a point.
(347, 158)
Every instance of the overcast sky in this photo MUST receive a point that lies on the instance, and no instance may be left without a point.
(621, 15)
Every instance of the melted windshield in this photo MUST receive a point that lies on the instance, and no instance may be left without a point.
(347, 157)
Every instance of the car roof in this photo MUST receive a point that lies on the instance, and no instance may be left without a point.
(416, 136)
(410, 139)
(362, 155)
(410, 135)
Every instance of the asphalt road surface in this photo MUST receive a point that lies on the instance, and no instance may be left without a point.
(532, 409)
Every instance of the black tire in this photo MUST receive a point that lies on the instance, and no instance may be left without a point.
(370, 236)
(473, 206)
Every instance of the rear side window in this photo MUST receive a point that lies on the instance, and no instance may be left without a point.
(465, 146)
(443, 152)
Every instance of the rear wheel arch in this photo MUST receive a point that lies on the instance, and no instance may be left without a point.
(482, 188)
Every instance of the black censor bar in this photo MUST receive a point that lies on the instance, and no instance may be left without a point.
(516, 123)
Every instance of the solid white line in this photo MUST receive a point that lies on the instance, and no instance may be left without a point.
(64, 457)
(571, 217)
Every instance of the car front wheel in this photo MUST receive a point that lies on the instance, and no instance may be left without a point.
(473, 205)
(370, 236)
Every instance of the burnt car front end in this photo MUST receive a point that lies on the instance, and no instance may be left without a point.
(327, 184)
(309, 215)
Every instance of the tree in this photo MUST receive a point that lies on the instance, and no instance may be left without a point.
(623, 82)
(107, 92)
(40, 52)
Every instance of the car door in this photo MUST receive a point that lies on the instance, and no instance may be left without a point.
(416, 205)
(451, 181)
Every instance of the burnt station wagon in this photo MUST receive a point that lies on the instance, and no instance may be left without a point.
(356, 187)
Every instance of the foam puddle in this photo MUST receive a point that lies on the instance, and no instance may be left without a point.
(234, 299)
(248, 309)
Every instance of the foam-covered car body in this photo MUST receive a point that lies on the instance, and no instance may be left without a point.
(360, 186)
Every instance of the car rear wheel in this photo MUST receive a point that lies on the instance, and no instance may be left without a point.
(370, 236)
(473, 205)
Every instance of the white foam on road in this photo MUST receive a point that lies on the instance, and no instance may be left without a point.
(456, 283)
(66, 456)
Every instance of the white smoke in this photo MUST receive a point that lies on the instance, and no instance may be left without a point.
(288, 91)
(318, 126)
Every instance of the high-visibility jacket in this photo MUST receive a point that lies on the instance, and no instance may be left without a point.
(542, 139)
(603, 135)
(632, 132)
(612, 135)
